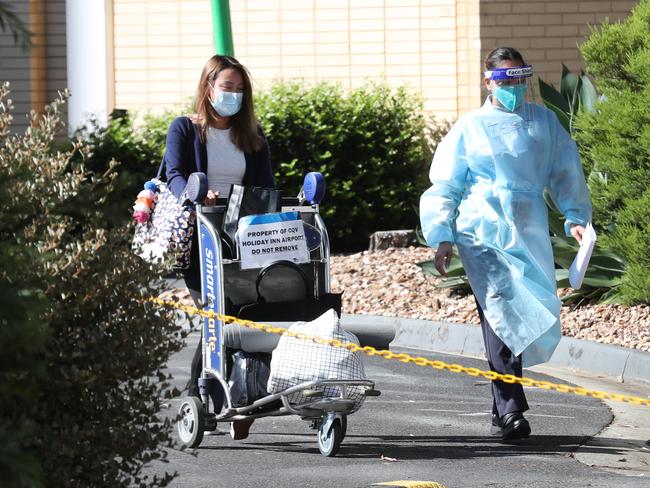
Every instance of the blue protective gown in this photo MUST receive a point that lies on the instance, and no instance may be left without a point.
(489, 175)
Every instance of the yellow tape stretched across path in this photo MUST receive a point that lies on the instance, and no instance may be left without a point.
(407, 358)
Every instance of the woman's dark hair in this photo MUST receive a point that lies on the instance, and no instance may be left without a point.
(501, 54)
(244, 133)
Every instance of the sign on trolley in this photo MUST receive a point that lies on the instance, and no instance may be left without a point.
(271, 237)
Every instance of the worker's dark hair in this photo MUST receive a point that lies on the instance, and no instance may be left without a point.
(503, 54)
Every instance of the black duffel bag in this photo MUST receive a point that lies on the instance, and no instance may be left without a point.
(309, 308)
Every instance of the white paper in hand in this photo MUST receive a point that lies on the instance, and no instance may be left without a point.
(581, 261)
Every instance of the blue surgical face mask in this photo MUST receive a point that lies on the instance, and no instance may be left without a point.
(227, 103)
(510, 96)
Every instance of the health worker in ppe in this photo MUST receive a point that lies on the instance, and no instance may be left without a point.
(488, 176)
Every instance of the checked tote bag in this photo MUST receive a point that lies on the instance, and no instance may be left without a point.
(167, 235)
(295, 361)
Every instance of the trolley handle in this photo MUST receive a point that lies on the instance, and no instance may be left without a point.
(195, 189)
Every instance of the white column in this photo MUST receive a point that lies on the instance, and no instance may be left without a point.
(87, 61)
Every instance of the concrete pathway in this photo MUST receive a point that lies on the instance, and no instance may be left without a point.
(609, 437)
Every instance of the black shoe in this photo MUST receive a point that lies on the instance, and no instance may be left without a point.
(513, 425)
(239, 429)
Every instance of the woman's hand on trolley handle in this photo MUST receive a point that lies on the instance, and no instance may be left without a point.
(211, 198)
(577, 231)
(443, 258)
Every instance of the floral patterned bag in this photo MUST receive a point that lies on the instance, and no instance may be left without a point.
(164, 227)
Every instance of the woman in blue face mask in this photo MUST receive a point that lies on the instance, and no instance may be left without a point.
(489, 176)
(223, 140)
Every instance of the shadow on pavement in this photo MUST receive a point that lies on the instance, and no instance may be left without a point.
(433, 447)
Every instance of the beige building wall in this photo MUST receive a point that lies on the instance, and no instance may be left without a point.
(435, 47)
(413, 43)
(546, 32)
(35, 77)
(468, 44)
(160, 47)
(55, 63)
(15, 68)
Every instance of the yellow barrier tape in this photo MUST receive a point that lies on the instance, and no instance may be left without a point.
(407, 358)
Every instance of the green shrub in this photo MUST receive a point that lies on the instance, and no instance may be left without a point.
(373, 146)
(22, 339)
(615, 142)
(92, 414)
(370, 144)
(139, 149)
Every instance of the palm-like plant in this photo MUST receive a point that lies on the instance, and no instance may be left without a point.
(576, 93)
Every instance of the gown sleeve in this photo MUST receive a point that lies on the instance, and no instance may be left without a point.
(439, 204)
(567, 185)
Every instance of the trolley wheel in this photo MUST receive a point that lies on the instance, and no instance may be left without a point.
(191, 422)
(316, 423)
(330, 441)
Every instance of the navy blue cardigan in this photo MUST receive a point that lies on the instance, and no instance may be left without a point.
(185, 154)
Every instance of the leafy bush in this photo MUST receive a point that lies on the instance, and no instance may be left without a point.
(139, 149)
(22, 339)
(371, 145)
(615, 142)
(606, 268)
(91, 416)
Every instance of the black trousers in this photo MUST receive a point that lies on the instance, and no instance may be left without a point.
(506, 397)
(195, 371)
(197, 360)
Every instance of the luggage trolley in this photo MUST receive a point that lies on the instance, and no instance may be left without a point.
(224, 283)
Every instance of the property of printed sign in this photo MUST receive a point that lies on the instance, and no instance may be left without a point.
(267, 238)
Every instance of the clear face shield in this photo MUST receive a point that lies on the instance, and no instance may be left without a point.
(512, 87)
(513, 127)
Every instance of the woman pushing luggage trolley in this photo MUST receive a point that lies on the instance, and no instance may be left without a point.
(271, 267)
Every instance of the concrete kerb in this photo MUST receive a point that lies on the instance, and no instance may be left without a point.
(616, 362)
